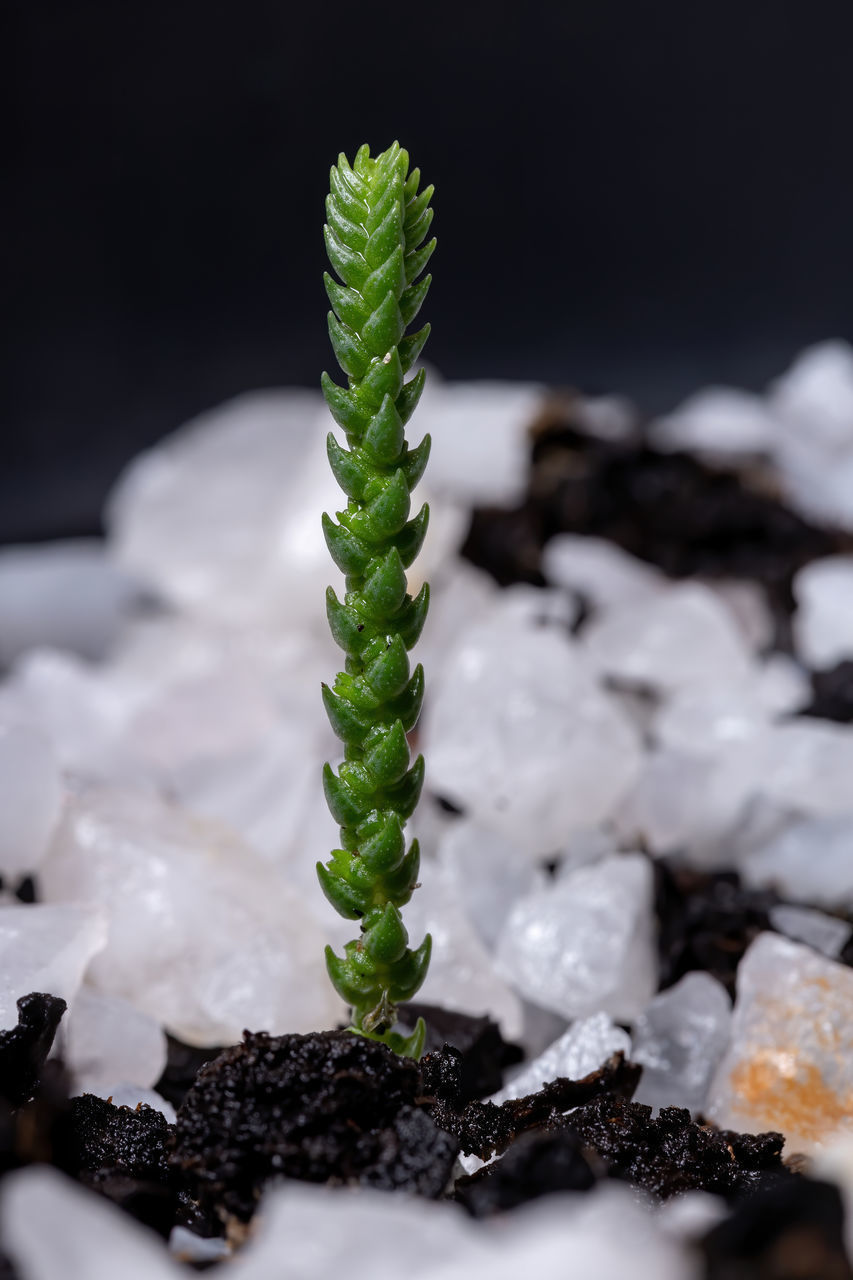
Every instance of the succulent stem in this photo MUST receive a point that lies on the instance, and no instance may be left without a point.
(375, 238)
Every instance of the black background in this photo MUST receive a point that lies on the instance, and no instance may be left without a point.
(630, 196)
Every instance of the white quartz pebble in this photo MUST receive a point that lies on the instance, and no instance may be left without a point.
(55, 1229)
(807, 860)
(717, 421)
(67, 595)
(204, 936)
(599, 571)
(823, 623)
(827, 934)
(486, 873)
(790, 1063)
(683, 636)
(480, 438)
(31, 792)
(584, 944)
(679, 1041)
(520, 736)
(107, 1043)
(45, 948)
(582, 1049)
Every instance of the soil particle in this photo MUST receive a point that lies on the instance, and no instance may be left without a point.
(183, 1063)
(832, 694)
(669, 509)
(670, 1154)
(24, 1049)
(484, 1053)
(793, 1230)
(537, 1164)
(324, 1107)
(485, 1129)
(122, 1154)
(706, 920)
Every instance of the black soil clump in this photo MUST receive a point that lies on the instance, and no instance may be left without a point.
(669, 509)
(122, 1153)
(832, 694)
(485, 1054)
(485, 1129)
(24, 1049)
(793, 1230)
(183, 1063)
(538, 1164)
(670, 1154)
(706, 920)
(325, 1107)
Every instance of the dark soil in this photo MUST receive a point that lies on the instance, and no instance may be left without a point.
(793, 1230)
(706, 920)
(330, 1107)
(832, 694)
(24, 1049)
(669, 509)
(485, 1054)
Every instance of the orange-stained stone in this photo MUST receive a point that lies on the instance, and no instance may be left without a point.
(788, 1093)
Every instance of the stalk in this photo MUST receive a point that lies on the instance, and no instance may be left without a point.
(377, 224)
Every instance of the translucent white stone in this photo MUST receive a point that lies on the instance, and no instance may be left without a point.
(31, 793)
(708, 719)
(518, 734)
(485, 873)
(747, 602)
(679, 1041)
(67, 595)
(680, 637)
(817, 482)
(607, 417)
(813, 404)
(326, 1233)
(362, 1234)
(203, 935)
(462, 974)
(107, 1042)
(200, 515)
(688, 803)
(717, 421)
(480, 438)
(45, 948)
(584, 944)
(72, 704)
(188, 1247)
(598, 570)
(808, 765)
(823, 623)
(584, 847)
(781, 685)
(808, 860)
(582, 1049)
(459, 596)
(54, 1229)
(827, 934)
(814, 399)
(790, 1064)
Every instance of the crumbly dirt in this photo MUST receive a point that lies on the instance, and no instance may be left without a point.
(706, 920)
(325, 1107)
(791, 1230)
(669, 509)
(24, 1048)
(485, 1129)
(485, 1054)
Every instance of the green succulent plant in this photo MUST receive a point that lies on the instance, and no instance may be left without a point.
(378, 220)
